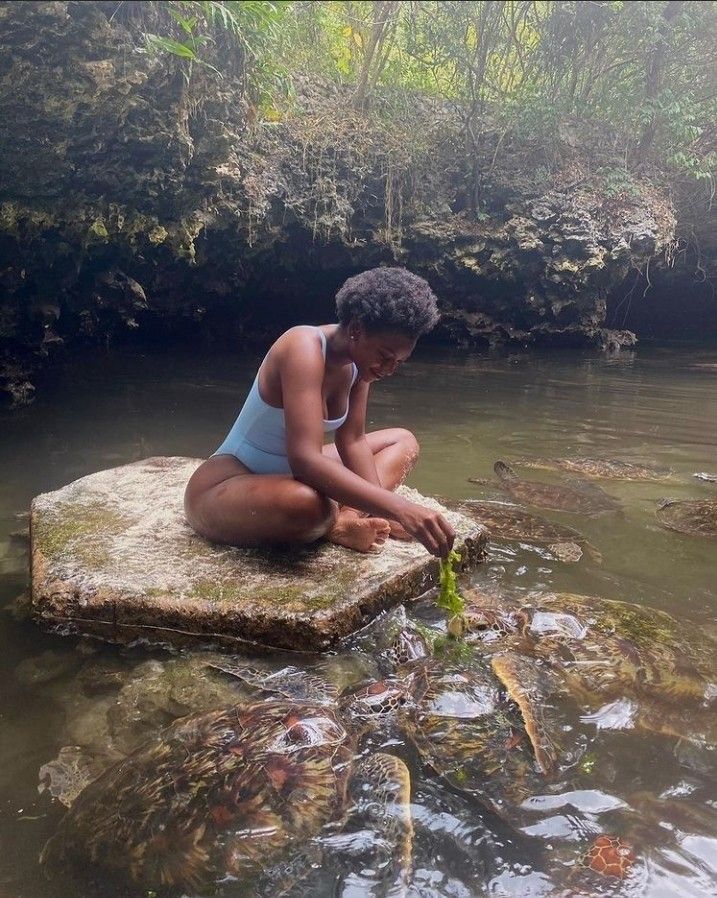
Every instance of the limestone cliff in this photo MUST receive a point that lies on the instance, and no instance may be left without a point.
(134, 195)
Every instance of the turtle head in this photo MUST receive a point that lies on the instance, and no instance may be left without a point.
(487, 623)
(407, 646)
(375, 700)
(504, 471)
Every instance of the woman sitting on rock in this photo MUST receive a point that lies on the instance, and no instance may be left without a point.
(274, 481)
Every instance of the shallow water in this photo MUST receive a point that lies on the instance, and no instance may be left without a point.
(467, 410)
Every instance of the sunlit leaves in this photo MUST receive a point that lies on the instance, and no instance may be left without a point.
(645, 70)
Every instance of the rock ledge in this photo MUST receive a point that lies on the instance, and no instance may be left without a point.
(112, 556)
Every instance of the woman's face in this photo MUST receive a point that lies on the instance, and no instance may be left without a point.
(378, 354)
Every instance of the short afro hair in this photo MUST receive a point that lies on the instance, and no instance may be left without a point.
(388, 299)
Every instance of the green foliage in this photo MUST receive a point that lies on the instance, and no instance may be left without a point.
(449, 599)
(238, 34)
(186, 49)
(455, 650)
(618, 182)
(643, 72)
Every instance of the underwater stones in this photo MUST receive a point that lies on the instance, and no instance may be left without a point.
(112, 556)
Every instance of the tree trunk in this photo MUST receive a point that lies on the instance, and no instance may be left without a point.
(382, 12)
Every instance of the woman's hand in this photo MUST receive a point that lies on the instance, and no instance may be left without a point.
(429, 527)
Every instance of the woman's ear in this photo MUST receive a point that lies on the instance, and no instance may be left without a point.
(355, 330)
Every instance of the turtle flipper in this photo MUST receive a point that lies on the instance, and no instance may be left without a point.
(66, 776)
(526, 683)
(381, 785)
(695, 725)
(291, 682)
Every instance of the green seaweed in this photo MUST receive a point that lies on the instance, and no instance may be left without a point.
(449, 599)
(448, 648)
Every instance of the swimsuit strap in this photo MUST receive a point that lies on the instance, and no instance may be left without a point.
(323, 340)
(323, 349)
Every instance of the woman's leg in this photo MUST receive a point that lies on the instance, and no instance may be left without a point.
(395, 453)
(226, 503)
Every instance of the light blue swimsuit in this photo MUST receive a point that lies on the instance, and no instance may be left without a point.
(258, 436)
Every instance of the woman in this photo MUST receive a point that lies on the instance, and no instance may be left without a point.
(273, 481)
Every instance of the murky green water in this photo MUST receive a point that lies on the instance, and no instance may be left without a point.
(467, 411)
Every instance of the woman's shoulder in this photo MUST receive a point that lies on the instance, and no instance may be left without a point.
(302, 342)
(304, 335)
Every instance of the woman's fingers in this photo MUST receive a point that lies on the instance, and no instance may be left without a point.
(449, 534)
(440, 535)
(431, 529)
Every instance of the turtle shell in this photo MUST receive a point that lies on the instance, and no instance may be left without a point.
(218, 793)
(506, 521)
(599, 468)
(467, 729)
(585, 498)
(694, 516)
(602, 649)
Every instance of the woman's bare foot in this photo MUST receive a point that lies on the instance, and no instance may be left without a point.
(359, 533)
(399, 532)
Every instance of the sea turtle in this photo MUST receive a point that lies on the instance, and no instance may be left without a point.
(599, 468)
(230, 793)
(601, 651)
(470, 723)
(694, 516)
(583, 498)
(513, 523)
(490, 730)
(478, 727)
(235, 791)
(112, 706)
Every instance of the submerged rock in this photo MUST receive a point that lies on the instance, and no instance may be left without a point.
(112, 556)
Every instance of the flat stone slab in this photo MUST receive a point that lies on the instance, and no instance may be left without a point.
(113, 556)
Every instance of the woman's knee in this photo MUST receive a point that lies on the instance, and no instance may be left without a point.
(313, 513)
(409, 444)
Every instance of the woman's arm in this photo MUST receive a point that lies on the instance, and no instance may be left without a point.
(301, 369)
(353, 447)
(351, 444)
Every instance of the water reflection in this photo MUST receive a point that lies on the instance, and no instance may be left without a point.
(648, 408)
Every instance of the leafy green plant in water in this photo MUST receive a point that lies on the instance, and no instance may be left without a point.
(449, 648)
(449, 599)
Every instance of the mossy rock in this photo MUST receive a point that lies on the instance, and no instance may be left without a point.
(113, 556)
